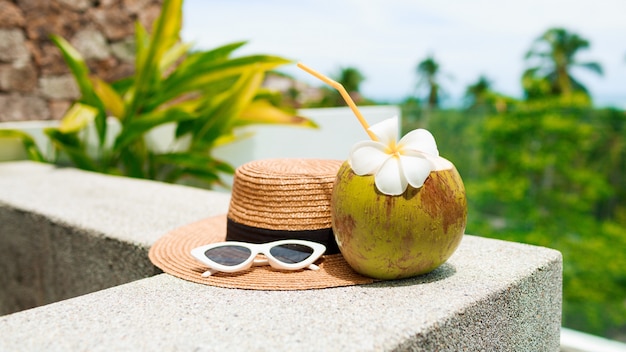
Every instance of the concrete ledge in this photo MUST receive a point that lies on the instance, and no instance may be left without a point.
(65, 232)
(491, 295)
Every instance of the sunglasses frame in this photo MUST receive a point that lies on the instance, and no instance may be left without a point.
(255, 249)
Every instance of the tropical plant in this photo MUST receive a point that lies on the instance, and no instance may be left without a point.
(552, 56)
(350, 78)
(28, 143)
(551, 166)
(205, 94)
(477, 93)
(549, 172)
(411, 109)
(481, 96)
(429, 74)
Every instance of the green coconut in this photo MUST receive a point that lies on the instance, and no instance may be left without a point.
(392, 237)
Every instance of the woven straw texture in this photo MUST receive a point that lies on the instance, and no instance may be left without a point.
(284, 194)
(171, 253)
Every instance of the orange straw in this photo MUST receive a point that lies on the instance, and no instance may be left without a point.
(344, 94)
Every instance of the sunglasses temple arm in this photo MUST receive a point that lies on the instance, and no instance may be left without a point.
(209, 272)
(264, 261)
(313, 267)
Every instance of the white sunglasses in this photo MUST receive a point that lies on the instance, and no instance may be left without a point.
(231, 256)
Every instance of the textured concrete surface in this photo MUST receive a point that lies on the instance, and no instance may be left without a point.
(491, 295)
(130, 210)
(65, 232)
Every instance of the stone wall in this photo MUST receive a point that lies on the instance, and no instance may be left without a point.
(35, 83)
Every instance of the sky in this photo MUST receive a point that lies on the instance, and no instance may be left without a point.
(386, 39)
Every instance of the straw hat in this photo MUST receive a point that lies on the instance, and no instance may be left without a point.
(272, 199)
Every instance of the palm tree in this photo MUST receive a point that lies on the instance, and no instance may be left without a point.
(428, 73)
(554, 53)
(477, 94)
(350, 78)
(480, 96)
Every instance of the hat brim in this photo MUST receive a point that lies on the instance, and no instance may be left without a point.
(171, 253)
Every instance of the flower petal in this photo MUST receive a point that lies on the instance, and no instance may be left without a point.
(367, 157)
(419, 140)
(415, 168)
(390, 179)
(386, 130)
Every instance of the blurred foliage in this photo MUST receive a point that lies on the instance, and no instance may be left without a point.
(428, 72)
(350, 78)
(30, 147)
(205, 94)
(553, 55)
(549, 172)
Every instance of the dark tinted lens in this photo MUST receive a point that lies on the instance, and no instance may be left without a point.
(291, 253)
(228, 255)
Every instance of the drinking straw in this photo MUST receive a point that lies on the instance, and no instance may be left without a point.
(344, 94)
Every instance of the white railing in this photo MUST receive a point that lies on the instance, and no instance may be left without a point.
(576, 341)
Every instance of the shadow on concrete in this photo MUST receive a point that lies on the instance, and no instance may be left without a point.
(443, 272)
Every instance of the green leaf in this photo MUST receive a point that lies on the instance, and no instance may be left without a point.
(198, 77)
(207, 178)
(172, 56)
(166, 29)
(196, 59)
(77, 118)
(142, 42)
(232, 137)
(138, 127)
(220, 119)
(72, 146)
(592, 66)
(133, 160)
(195, 160)
(122, 86)
(77, 65)
(261, 111)
(80, 71)
(198, 165)
(184, 127)
(28, 142)
(165, 33)
(112, 101)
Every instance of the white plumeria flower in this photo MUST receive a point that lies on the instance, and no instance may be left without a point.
(395, 165)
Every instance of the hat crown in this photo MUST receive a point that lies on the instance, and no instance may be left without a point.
(284, 194)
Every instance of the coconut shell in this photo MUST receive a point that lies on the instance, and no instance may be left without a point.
(391, 237)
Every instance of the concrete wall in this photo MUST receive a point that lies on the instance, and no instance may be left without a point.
(64, 232)
(35, 83)
(44, 261)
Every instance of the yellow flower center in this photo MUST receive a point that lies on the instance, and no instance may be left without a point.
(394, 149)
